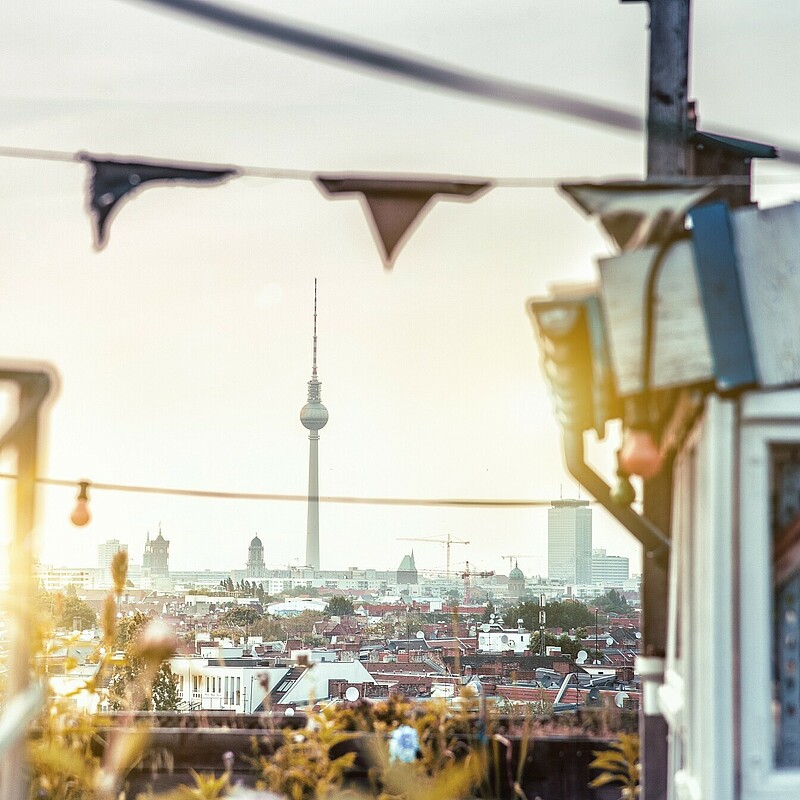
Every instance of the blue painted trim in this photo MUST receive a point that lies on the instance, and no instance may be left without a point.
(720, 291)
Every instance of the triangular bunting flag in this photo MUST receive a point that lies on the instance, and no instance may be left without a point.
(112, 181)
(395, 205)
(638, 213)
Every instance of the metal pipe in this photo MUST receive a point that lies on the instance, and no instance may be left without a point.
(655, 543)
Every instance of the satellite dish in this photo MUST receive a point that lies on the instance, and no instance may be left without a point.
(504, 639)
(352, 694)
(620, 698)
(638, 635)
(581, 657)
(420, 634)
(610, 641)
(486, 627)
(289, 712)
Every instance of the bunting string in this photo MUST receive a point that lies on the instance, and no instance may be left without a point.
(292, 174)
(285, 173)
(393, 204)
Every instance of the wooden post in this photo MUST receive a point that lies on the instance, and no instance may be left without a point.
(667, 122)
(667, 107)
(33, 389)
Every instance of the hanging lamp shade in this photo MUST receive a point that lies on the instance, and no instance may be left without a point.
(395, 205)
(112, 181)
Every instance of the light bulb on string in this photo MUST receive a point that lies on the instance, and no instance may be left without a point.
(80, 514)
(639, 454)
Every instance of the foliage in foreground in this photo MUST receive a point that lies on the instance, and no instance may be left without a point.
(64, 746)
(620, 764)
(312, 764)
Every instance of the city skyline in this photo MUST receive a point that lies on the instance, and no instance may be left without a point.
(253, 561)
(181, 346)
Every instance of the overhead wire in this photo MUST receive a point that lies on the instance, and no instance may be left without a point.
(431, 73)
(399, 64)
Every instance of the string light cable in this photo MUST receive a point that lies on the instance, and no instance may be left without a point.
(268, 496)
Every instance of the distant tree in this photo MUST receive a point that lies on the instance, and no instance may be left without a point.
(240, 621)
(339, 606)
(612, 601)
(301, 591)
(127, 677)
(165, 690)
(301, 626)
(238, 616)
(569, 614)
(63, 610)
(76, 609)
(488, 612)
(559, 615)
(527, 612)
(269, 628)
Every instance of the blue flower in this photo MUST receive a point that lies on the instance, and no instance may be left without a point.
(404, 744)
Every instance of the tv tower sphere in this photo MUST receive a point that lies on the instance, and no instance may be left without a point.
(314, 415)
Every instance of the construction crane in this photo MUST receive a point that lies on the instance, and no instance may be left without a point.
(467, 574)
(516, 556)
(439, 540)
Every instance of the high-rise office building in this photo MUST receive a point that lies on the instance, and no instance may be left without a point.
(105, 555)
(569, 541)
(609, 571)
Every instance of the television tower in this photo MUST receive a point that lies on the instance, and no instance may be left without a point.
(314, 416)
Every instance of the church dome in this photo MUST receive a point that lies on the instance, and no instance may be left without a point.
(516, 574)
(256, 542)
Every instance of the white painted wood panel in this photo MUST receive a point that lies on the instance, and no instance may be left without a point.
(767, 243)
(681, 353)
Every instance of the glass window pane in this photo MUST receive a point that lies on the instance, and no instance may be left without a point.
(785, 529)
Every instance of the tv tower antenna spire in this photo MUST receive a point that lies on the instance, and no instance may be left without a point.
(314, 357)
(313, 416)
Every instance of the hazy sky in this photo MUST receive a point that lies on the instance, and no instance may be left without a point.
(184, 348)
